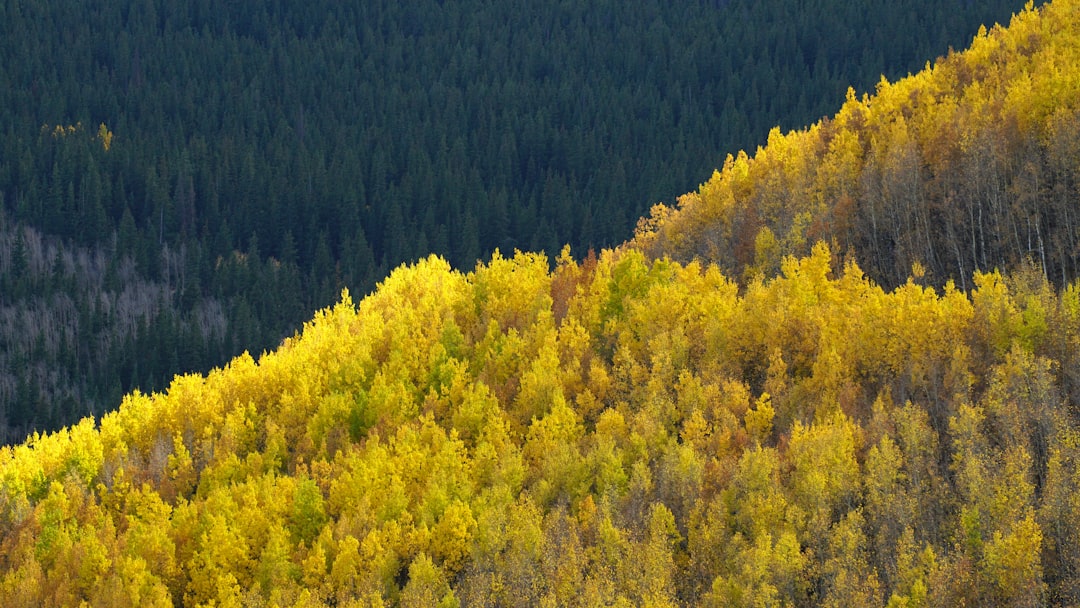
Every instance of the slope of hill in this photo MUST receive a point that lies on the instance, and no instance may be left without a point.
(271, 153)
(971, 164)
(616, 431)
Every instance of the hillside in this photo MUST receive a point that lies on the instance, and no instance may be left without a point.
(621, 429)
(257, 157)
(971, 164)
(615, 431)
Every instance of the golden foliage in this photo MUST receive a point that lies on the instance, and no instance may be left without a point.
(623, 430)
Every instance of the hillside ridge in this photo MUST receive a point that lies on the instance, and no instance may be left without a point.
(627, 428)
(970, 164)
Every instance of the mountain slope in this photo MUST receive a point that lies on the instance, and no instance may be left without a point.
(970, 164)
(269, 154)
(612, 431)
(618, 430)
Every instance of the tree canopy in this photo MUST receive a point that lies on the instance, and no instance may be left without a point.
(613, 431)
(232, 166)
(623, 428)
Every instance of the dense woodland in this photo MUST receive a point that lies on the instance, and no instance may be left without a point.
(183, 181)
(970, 165)
(616, 432)
(625, 429)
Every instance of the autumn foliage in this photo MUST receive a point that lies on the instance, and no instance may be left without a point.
(621, 430)
(968, 165)
(615, 431)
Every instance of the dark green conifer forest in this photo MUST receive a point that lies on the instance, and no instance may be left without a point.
(183, 181)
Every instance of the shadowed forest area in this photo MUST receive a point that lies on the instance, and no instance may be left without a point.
(232, 166)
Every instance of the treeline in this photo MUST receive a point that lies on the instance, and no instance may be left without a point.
(615, 432)
(263, 156)
(973, 164)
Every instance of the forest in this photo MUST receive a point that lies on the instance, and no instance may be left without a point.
(181, 182)
(972, 164)
(656, 423)
(614, 432)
